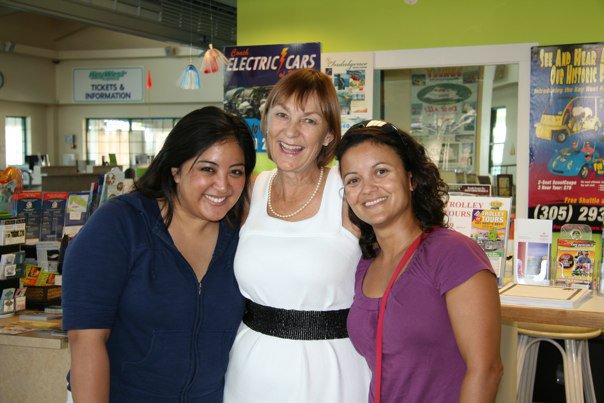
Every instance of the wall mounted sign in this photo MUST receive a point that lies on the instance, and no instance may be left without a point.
(253, 70)
(115, 85)
(566, 160)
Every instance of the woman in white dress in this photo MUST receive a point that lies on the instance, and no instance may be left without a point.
(296, 260)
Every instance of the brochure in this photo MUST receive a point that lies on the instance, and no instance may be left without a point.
(486, 221)
(489, 230)
(575, 262)
(53, 215)
(7, 300)
(532, 251)
(47, 254)
(28, 205)
(35, 276)
(76, 212)
(113, 185)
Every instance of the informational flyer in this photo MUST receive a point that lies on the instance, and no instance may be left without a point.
(76, 213)
(352, 75)
(575, 262)
(53, 215)
(566, 160)
(253, 70)
(486, 221)
(532, 246)
(443, 114)
(28, 205)
(489, 230)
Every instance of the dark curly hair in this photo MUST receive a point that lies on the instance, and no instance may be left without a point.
(430, 192)
(192, 135)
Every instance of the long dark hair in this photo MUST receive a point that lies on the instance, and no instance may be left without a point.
(192, 135)
(430, 192)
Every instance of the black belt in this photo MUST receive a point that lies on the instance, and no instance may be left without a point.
(296, 325)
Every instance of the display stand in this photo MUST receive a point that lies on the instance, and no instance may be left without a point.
(11, 282)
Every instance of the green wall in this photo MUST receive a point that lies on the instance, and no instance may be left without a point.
(363, 25)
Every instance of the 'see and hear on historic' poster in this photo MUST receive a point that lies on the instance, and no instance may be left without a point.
(566, 160)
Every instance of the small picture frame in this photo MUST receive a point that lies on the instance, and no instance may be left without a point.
(504, 185)
(484, 179)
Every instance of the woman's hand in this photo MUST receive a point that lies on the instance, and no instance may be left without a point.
(474, 311)
(89, 374)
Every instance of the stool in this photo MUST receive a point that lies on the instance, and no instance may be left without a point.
(575, 359)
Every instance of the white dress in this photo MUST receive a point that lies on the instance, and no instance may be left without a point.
(305, 265)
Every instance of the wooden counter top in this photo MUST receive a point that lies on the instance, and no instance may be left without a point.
(589, 314)
(32, 338)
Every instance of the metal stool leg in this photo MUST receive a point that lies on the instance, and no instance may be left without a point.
(531, 368)
(523, 344)
(574, 374)
(588, 383)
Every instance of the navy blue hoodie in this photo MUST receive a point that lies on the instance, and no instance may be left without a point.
(170, 334)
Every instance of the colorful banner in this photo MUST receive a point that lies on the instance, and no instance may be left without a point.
(443, 115)
(566, 164)
(253, 70)
(352, 75)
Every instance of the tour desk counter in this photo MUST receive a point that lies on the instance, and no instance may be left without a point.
(34, 360)
(588, 314)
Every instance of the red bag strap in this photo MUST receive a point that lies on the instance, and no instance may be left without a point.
(380, 324)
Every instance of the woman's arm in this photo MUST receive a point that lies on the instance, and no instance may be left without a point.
(346, 223)
(89, 376)
(475, 316)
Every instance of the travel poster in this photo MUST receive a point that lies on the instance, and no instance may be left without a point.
(443, 114)
(250, 75)
(352, 75)
(566, 160)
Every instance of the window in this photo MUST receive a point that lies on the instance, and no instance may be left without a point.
(15, 135)
(498, 135)
(132, 141)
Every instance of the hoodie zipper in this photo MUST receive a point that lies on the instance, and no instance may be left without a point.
(194, 345)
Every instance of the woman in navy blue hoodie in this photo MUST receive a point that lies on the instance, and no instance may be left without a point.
(150, 301)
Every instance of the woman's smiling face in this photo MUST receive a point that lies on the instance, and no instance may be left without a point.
(209, 185)
(376, 184)
(296, 134)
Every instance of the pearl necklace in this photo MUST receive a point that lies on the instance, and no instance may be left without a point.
(312, 196)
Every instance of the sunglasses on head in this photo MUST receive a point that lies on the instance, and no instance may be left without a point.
(384, 127)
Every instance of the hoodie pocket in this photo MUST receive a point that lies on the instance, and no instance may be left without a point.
(165, 368)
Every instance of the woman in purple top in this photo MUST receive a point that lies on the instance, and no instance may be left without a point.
(441, 329)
